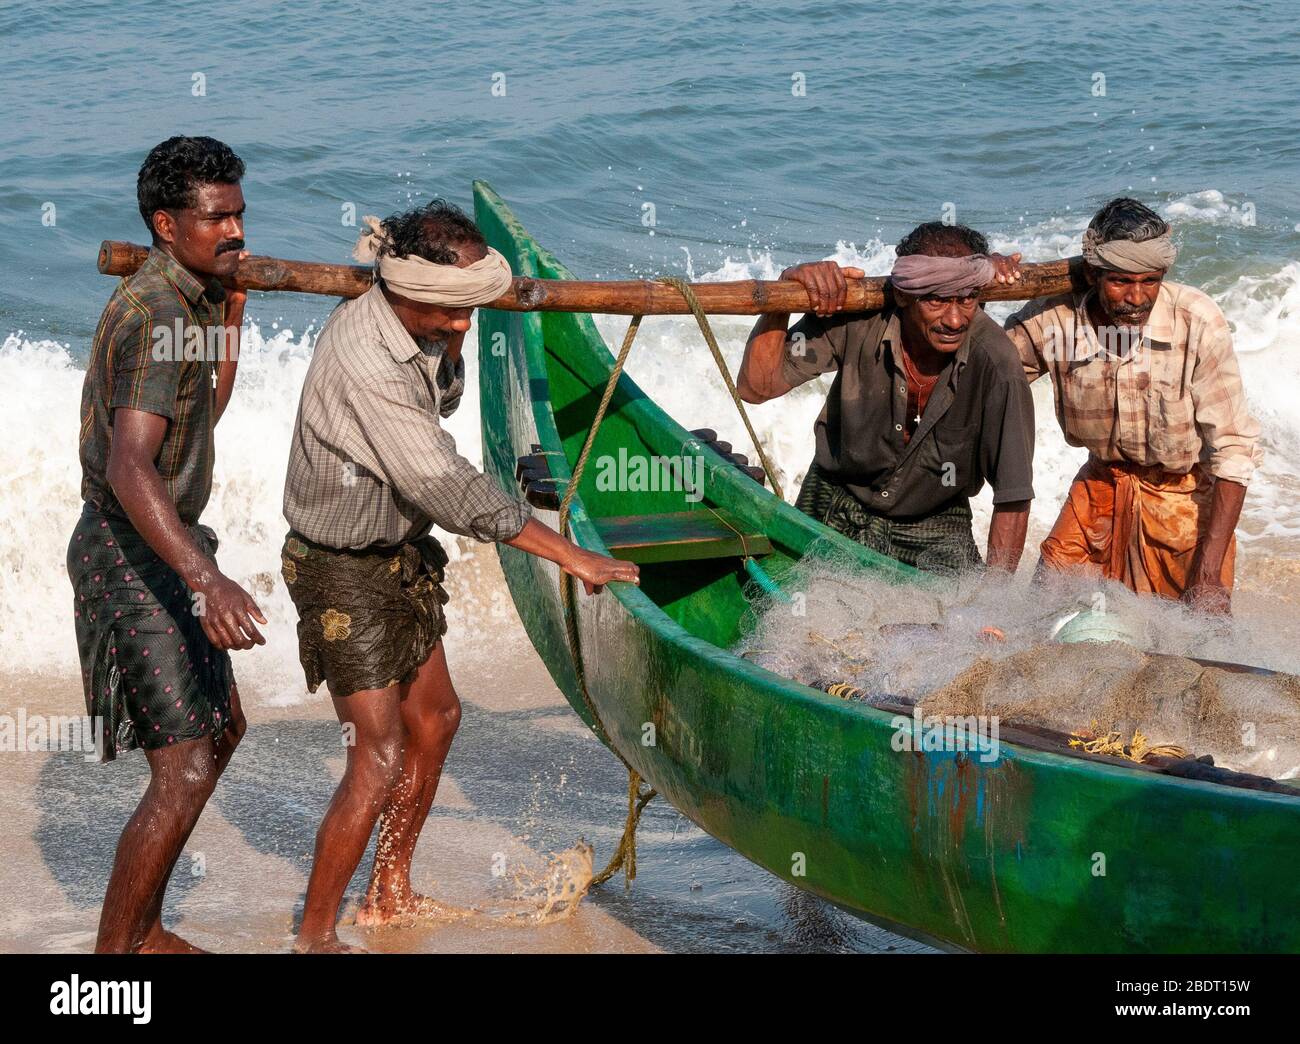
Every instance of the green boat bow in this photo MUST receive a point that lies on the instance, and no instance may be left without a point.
(1030, 851)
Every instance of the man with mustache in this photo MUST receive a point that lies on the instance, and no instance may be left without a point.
(154, 615)
(1144, 376)
(371, 470)
(928, 402)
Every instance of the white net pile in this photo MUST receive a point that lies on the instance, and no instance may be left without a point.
(986, 647)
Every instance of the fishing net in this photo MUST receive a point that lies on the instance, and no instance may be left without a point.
(987, 648)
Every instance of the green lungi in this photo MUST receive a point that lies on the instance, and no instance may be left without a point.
(940, 543)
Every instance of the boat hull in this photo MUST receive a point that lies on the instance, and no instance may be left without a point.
(1029, 851)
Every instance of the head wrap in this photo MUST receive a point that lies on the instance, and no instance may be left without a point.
(1129, 255)
(447, 285)
(924, 276)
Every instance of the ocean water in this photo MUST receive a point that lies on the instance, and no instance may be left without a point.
(756, 136)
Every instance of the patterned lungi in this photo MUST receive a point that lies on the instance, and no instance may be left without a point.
(940, 543)
(366, 619)
(150, 675)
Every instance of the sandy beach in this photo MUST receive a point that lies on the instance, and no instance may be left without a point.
(524, 783)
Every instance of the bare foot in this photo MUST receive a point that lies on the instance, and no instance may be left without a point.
(160, 940)
(377, 913)
(332, 944)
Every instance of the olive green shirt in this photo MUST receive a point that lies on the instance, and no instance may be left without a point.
(155, 351)
(977, 426)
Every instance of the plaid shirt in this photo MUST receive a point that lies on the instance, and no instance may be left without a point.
(369, 464)
(1173, 399)
(137, 361)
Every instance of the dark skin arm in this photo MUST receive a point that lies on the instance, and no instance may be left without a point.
(234, 318)
(594, 570)
(759, 378)
(1207, 591)
(1007, 531)
(228, 611)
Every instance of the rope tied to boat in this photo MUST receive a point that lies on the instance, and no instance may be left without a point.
(1138, 749)
(625, 856)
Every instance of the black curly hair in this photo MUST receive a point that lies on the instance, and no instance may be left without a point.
(432, 232)
(1127, 218)
(175, 167)
(935, 239)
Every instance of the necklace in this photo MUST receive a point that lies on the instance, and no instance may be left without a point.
(922, 384)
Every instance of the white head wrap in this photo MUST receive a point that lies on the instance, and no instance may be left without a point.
(447, 285)
(924, 276)
(1128, 255)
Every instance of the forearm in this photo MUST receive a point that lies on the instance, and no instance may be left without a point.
(1007, 532)
(227, 366)
(140, 490)
(759, 377)
(537, 538)
(1225, 510)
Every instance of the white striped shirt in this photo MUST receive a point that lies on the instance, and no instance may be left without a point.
(370, 464)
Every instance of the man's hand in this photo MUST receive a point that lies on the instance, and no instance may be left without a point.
(236, 299)
(826, 283)
(1207, 592)
(1006, 268)
(595, 571)
(227, 613)
(1208, 595)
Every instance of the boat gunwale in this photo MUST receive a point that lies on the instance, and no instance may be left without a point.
(650, 614)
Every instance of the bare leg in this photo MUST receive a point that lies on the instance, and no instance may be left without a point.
(430, 716)
(158, 939)
(182, 779)
(373, 767)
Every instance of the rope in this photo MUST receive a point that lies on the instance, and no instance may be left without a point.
(625, 856)
(684, 288)
(566, 581)
(1138, 749)
(637, 799)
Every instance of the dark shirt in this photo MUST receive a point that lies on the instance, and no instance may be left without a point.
(978, 424)
(143, 360)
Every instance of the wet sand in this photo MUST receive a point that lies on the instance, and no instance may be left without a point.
(524, 780)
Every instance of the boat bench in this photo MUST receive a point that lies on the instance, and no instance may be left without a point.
(680, 536)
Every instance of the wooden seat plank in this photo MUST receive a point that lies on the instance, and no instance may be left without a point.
(679, 536)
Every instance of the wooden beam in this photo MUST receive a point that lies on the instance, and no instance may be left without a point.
(614, 297)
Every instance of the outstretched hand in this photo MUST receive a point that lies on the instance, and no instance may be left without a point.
(595, 571)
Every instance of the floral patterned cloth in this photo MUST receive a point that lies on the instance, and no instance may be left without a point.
(366, 619)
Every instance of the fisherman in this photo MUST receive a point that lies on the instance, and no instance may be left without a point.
(1145, 377)
(154, 615)
(371, 470)
(928, 401)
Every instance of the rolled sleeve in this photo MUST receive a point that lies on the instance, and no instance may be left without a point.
(1007, 441)
(146, 371)
(415, 455)
(1229, 431)
(1025, 330)
(813, 346)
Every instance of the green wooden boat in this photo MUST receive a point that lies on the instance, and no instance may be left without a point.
(1035, 851)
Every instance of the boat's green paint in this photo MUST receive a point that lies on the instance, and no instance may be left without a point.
(1032, 852)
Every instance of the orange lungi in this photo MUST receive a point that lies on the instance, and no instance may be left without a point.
(1138, 524)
